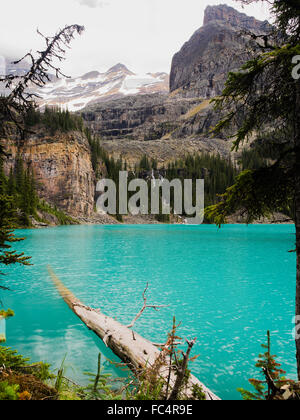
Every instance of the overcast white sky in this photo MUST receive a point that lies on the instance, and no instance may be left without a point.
(142, 34)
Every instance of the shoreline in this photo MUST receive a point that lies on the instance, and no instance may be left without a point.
(154, 224)
(107, 220)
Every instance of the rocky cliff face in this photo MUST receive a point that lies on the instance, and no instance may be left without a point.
(232, 17)
(164, 127)
(62, 168)
(145, 118)
(201, 67)
(167, 126)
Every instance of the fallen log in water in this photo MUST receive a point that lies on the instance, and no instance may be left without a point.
(135, 351)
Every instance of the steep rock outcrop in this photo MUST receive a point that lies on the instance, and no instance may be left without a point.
(62, 168)
(201, 67)
(167, 126)
(164, 127)
(147, 117)
(231, 16)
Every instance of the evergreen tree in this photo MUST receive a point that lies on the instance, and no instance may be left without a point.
(267, 96)
(14, 109)
(7, 220)
(145, 164)
(3, 180)
(272, 373)
(218, 173)
(11, 184)
(54, 119)
(20, 187)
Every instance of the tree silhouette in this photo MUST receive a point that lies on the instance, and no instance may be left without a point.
(20, 100)
(13, 110)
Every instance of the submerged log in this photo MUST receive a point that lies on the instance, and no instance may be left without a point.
(135, 351)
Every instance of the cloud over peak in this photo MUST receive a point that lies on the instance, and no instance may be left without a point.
(93, 3)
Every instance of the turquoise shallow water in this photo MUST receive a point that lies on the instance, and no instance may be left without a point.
(227, 287)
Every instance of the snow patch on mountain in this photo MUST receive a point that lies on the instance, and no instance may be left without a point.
(75, 94)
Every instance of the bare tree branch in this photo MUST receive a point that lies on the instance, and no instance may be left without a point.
(14, 107)
(182, 370)
(275, 390)
(145, 306)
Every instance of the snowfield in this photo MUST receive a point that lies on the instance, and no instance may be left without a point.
(75, 94)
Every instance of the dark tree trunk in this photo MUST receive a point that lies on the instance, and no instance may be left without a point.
(298, 289)
(297, 205)
(298, 275)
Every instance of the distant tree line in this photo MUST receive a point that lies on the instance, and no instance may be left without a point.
(110, 167)
(20, 187)
(54, 119)
(219, 173)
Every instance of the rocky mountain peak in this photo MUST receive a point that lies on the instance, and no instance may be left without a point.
(230, 16)
(91, 75)
(93, 87)
(119, 68)
(201, 67)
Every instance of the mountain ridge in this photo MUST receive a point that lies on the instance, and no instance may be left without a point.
(230, 15)
(221, 45)
(165, 127)
(94, 87)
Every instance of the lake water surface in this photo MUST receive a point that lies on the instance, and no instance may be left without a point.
(227, 287)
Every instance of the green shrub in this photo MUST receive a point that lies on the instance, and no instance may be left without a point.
(17, 363)
(8, 392)
(62, 218)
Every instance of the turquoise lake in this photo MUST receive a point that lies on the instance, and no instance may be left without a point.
(227, 287)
